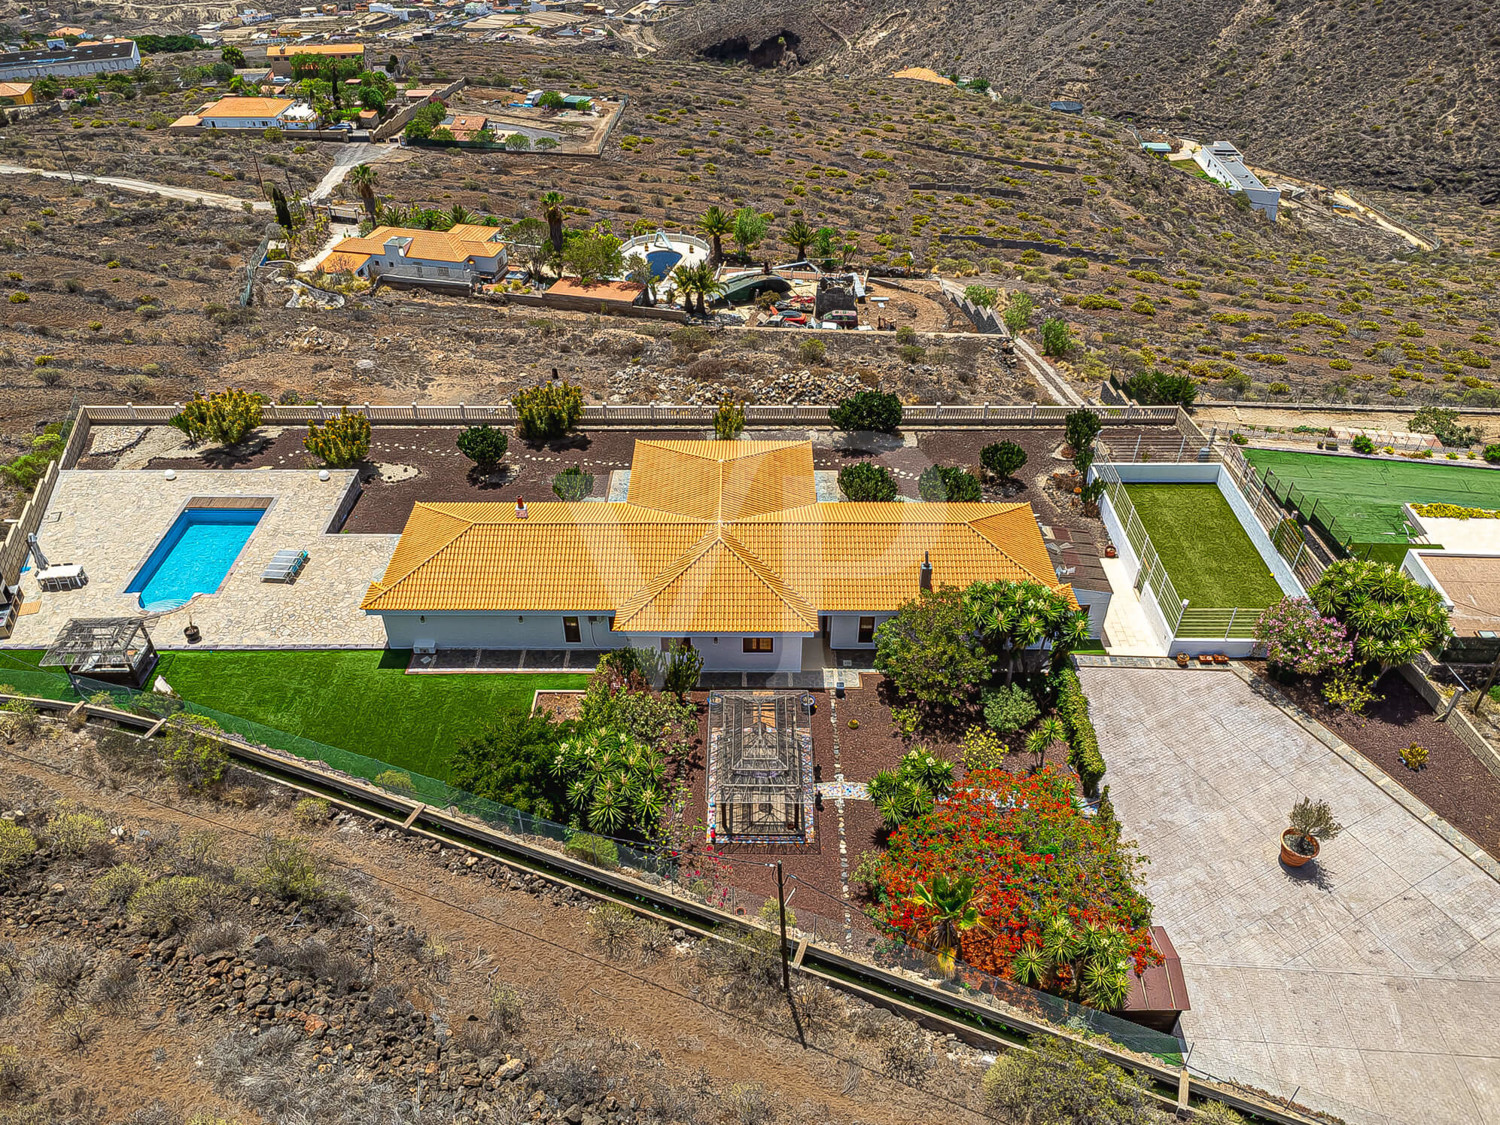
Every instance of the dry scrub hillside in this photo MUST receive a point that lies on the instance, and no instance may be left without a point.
(1360, 92)
(234, 953)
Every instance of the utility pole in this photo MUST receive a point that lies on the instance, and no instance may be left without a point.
(68, 164)
(786, 972)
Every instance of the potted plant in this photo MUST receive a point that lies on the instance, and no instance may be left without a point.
(1183, 659)
(1312, 822)
(1109, 551)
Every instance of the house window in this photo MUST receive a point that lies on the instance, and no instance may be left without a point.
(759, 644)
(570, 630)
(866, 630)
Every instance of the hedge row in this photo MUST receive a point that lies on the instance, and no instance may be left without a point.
(1083, 743)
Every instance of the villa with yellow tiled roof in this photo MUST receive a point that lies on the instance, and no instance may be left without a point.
(464, 252)
(722, 544)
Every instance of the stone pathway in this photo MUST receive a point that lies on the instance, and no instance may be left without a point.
(1126, 630)
(1366, 983)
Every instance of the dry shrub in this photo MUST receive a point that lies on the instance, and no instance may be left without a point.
(115, 983)
(907, 1058)
(117, 886)
(15, 1073)
(77, 833)
(216, 937)
(654, 940)
(175, 902)
(613, 930)
(76, 1030)
(60, 970)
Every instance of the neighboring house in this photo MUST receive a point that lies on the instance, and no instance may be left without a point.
(464, 126)
(570, 291)
(81, 61)
(253, 113)
(17, 93)
(721, 544)
(1223, 162)
(465, 253)
(279, 58)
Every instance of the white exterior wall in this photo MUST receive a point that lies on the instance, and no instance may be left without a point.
(242, 122)
(426, 267)
(80, 69)
(722, 652)
(843, 629)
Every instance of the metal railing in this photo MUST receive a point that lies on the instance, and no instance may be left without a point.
(1182, 619)
(1286, 535)
(13, 550)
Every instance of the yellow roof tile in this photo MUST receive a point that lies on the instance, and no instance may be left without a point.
(714, 537)
(246, 107)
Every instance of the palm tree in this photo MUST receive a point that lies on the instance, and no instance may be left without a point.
(363, 178)
(706, 285)
(951, 902)
(1046, 733)
(716, 223)
(552, 205)
(685, 277)
(799, 237)
(459, 214)
(638, 271)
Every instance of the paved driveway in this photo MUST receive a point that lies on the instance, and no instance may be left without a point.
(1372, 983)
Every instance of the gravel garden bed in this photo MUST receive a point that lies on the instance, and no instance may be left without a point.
(1453, 783)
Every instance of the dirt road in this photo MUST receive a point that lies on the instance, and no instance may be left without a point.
(186, 195)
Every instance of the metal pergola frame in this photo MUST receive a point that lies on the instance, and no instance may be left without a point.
(115, 649)
(760, 745)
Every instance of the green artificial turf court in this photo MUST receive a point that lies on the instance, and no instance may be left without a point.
(355, 700)
(1361, 497)
(1208, 555)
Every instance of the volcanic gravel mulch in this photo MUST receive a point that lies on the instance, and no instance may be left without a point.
(1454, 783)
(443, 474)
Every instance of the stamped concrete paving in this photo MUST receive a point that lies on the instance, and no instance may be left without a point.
(108, 521)
(1371, 982)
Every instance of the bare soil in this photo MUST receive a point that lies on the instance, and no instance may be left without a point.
(400, 1010)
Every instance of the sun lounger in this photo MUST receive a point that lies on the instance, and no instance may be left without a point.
(284, 566)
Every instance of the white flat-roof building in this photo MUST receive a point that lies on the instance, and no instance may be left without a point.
(71, 62)
(1223, 162)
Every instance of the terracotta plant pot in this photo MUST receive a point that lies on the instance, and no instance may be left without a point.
(1292, 857)
(1109, 551)
(1182, 660)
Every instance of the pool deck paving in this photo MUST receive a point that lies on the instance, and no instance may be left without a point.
(1367, 981)
(108, 521)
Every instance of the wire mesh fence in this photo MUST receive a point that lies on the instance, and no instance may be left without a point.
(700, 877)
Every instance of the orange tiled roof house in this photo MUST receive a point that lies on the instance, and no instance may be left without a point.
(467, 251)
(722, 544)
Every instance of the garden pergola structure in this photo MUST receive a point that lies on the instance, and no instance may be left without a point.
(117, 650)
(760, 747)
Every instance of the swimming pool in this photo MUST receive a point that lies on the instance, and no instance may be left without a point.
(662, 262)
(193, 556)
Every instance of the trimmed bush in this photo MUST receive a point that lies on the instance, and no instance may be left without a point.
(865, 480)
(868, 410)
(1003, 458)
(954, 485)
(1492, 453)
(1008, 709)
(548, 411)
(1363, 444)
(341, 441)
(484, 445)
(1083, 742)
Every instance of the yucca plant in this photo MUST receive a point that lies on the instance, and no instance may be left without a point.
(226, 417)
(342, 441)
(1047, 732)
(729, 420)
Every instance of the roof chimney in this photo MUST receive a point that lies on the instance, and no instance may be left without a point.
(520, 508)
(926, 579)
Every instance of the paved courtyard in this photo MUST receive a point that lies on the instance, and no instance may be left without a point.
(1370, 981)
(109, 521)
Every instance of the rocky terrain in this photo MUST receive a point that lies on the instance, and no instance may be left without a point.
(1355, 93)
(237, 955)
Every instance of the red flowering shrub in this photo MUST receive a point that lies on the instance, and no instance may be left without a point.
(1037, 863)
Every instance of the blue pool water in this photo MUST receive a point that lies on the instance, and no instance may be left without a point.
(193, 556)
(662, 262)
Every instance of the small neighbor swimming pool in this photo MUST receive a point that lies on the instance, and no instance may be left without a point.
(662, 262)
(193, 556)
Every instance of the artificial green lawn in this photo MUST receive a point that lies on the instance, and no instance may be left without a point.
(1365, 494)
(1208, 555)
(361, 701)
